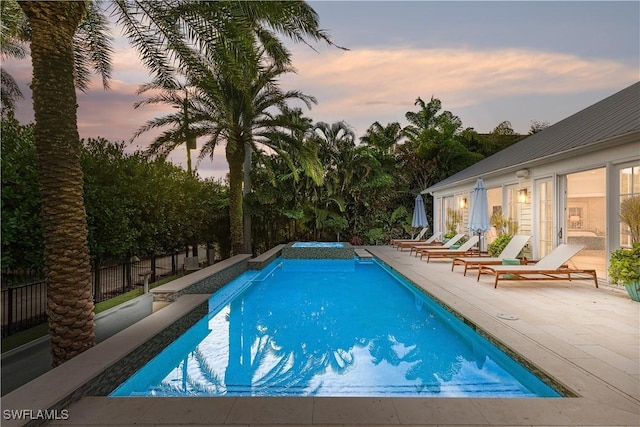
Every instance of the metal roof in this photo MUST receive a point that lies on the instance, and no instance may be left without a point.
(613, 117)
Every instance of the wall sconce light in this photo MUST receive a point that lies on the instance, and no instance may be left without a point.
(463, 203)
(522, 195)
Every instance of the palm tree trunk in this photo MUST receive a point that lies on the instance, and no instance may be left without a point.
(246, 189)
(235, 159)
(64, 222)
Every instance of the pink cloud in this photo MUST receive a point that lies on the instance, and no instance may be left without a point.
(362, 86)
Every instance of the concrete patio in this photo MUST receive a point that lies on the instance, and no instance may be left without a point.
(587, 339)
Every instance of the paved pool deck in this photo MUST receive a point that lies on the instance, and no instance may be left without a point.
(588, 339)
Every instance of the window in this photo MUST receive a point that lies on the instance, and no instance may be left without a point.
(629, 187)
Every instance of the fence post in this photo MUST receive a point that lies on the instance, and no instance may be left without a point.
(124, 274)
(10, 311)
(153, 267)
(96, 281)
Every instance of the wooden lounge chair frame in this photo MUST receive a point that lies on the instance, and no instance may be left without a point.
(542, 270)
(418, 238)
(465, 248)
(432, 241)
(510, 251)
(445, 245)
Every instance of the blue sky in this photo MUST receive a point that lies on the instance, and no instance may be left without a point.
(487, 62)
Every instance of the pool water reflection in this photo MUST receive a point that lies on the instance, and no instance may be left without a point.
(362, 331)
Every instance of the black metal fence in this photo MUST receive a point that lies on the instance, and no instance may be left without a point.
(25, 305)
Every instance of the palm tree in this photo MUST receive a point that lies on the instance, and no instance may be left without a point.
(336, 148)
(67, 265)
(245, 119)
(435, 137)
(383, 139)
(165, 34)
(179, 96)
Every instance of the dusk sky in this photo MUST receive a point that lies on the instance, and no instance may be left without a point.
(488, 62)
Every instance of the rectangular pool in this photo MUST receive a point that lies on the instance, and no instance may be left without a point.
(308, 328)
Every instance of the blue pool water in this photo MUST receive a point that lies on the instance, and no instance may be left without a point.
(330, 328)
(317, 245)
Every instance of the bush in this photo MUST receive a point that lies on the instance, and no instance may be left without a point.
(498, 245)
(624, 266)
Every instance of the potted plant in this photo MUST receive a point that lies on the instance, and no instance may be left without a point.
(624, 264)
(454, 218)
(624, 269)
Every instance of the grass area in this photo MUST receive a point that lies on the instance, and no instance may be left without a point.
(28, 335)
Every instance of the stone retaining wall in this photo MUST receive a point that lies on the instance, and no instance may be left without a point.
(204, 281)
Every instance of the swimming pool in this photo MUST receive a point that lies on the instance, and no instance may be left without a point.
(330, 328)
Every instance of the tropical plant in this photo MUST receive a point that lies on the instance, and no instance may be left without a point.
(624, 265)
(13, 33)
(454, 219)
(496, 247)
(21, 200)
(503, 225)
(436, 138)
(238, 91)
(630, 216)
(375, 235)
(246, 119)
(177, 95)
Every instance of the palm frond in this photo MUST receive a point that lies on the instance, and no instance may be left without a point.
(9, 90)
(93, 38)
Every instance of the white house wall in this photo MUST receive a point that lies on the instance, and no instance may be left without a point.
(611, 157)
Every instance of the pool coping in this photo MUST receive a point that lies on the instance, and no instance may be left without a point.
(599, 402)
(262, 260)
(97, 369)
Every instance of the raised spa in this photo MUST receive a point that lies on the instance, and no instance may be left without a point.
(318, 250)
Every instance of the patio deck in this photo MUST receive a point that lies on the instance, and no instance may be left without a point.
(586, 338)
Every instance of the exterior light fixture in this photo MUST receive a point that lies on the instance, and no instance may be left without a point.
(522, 195)
(463, 203)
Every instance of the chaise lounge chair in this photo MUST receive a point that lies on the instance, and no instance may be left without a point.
(433, 240)
(445, 245)
(550, 267)
(418, 238)
(465, 248)
(511, 251)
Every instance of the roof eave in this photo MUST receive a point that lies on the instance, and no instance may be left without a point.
(626, 138)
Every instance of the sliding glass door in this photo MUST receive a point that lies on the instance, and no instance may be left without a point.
(585, 218)
(544, 202)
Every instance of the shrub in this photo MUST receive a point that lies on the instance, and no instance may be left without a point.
(624, 266)
(496, 247)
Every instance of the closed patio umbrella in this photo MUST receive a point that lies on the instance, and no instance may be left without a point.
(479, 215)
(419, 214)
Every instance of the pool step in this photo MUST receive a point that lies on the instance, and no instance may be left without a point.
(363, 254)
